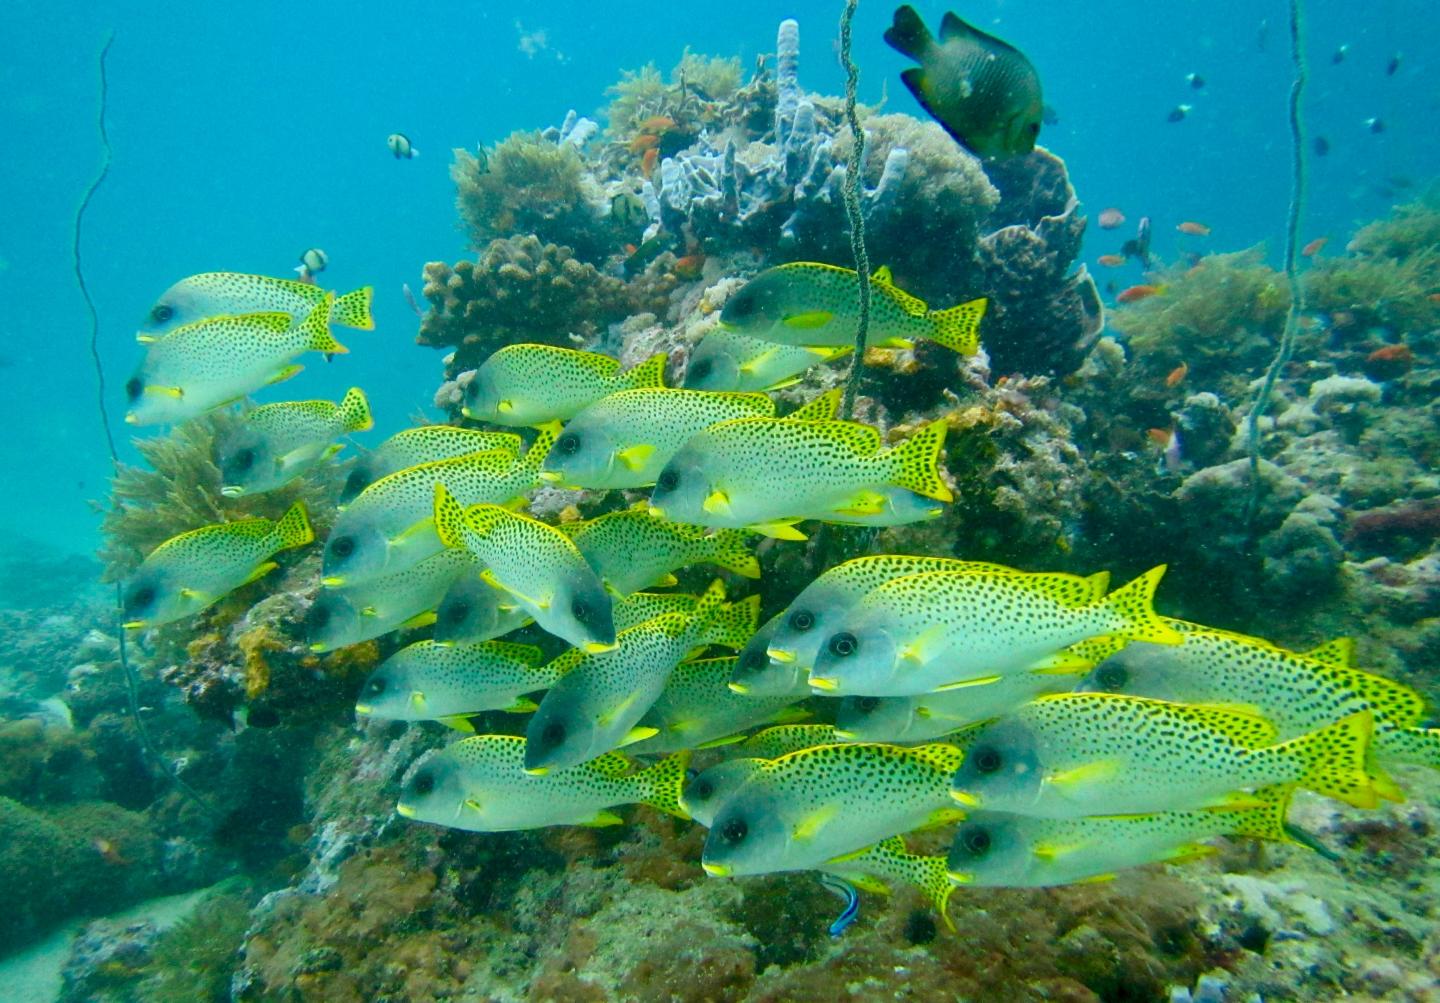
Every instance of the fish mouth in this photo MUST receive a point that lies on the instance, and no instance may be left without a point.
(849, 736)
(596, 648)
(333, 581)
(319, 646)
(823, 684)
(134, 624)
(404, 810)
(966, 798)
(740, 688)
(781, 654)
(537, 771)
(130, 419)
(656, 511)
(716, 870)
(550, 476)
(363, 708)
(231, 491)
(960, 877)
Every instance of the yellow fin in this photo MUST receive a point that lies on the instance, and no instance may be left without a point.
(638, 734)
(1338, 651)
(635, 457)
(175, 392)
(522, 705)
(915, 463)
(780, 529)
(958, 328)
(1094, 772)
(809, 320)
(419, 620)
(458, 722)
(814, 822)
(882, 274)
(717, 503)
(260, 571)
(284, 374)
(863, 503)
(908, 302)
(603, 818)
(823, 408)
(1186, 852)
(964, 683)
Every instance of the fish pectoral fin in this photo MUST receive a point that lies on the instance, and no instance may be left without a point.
(1062, 664)
(635, 457)
(812, 823)
(809, 319)
(919, 650)
(1054, 851)
(196, 595)
(1095, 772)
(260, 571)
(780, 529)
(717, 503)
(284, 374)
(459, 722)
(146, 339)
(369, 611)
(505, 406)
(964, 683)
(603, 818)
(638, 734)
(173, 392)
(413, 530)
(419, 620)
(716, 743)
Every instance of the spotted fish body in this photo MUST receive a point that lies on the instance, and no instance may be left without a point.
(944, 629)
(708, 791)
(433, 681)
(424, 444)
(278, 442)
(535, 563)
(597, 705)
(891, 860)
(804, 809)
(404, 598)
(766, 474)
(816, 305)
(221, 359)
(1296, 692)
(631, 550)
(995, 849)
(930, 716)
(190, 571)
(480, 784)
(730, 361)
(213, 294)
(625, 439)
(697, 708)
(1100, 754)
(806, 622)
(388, 527)
(533, 384)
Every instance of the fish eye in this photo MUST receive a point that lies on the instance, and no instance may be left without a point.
(741, 306)
(976, 841)
(245, 459)
(569, 444)
(342, 546)
(456, 612)
(142, 597)
(424, 783)
(162, 312)
(734, 831)
(867, 705)
(553, 733)
(134, 388)
(754, 658)
(802, 620)
(319, 616)
(844, 644)
(669, 480)
(1112, 678)
(355, 483)
(702, 369)
(375, 687)
(988, 759)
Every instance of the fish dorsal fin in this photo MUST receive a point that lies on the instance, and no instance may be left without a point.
(953, 27)
(882, 274)
(910, 303)
(822, 408)
(1391, 700)
(650, 373)
(1338, 651)
(941, 755)
(1096, 649)
(1239, 723)
(611, 764)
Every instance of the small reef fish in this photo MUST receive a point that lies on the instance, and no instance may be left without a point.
(697, 709)
(596, 705)
(434, 681)
(847, 894)
(1338, 56)
(472, 610)
(1375, 125)
(1077, 754)
(1111, 219)
(214, 294)
(1393, 66)
(728, 360)
(276, 443)
(816, 306)
(388, 526)
(405, 598)
(1177, 375)
(535, 384)
(1178, 113)
(803, 810)
(625, 439)
(480, 784)
(981, 89)
(213, 362)
(1196, 81)
(424, 444)
(638, 607)
(628, 209)
(1004, 850)
(707, 791)
(756, 674)
(1111, 260)
(188, 572)
(312, 263)
(1321, 146)
(1193, 229)
(1138, 246)
(630, 550)
(537, 564)
(689, 266)
(946, 630)
(766, 474)
(892, 860)
(1135, 294)
(1296, 692)
(1314, 247)
(648, 160)
(399, 144)
(799, 631)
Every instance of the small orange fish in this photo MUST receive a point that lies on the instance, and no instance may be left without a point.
(1136, 293)
(658, 125)
(647, 162)
(631, 248)
(1111, 260)
(1177, 374)
(689, 266)
(1159, 436)
(644, 142)
(1314, 247)
(109, 851)
(1194, 229)
(1434, 297)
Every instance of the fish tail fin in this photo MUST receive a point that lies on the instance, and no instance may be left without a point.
(540, 448)
(1333, 760)
(449, 518)
(353, 309)
(355, 411)
(293, 528)
(316, 326)
(958, 328)
(1132, 604)
(733, 553)
(1266, 820)
(916, 463)
(826, 407)
(661, 784)
(908, 34)
(650, 373)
